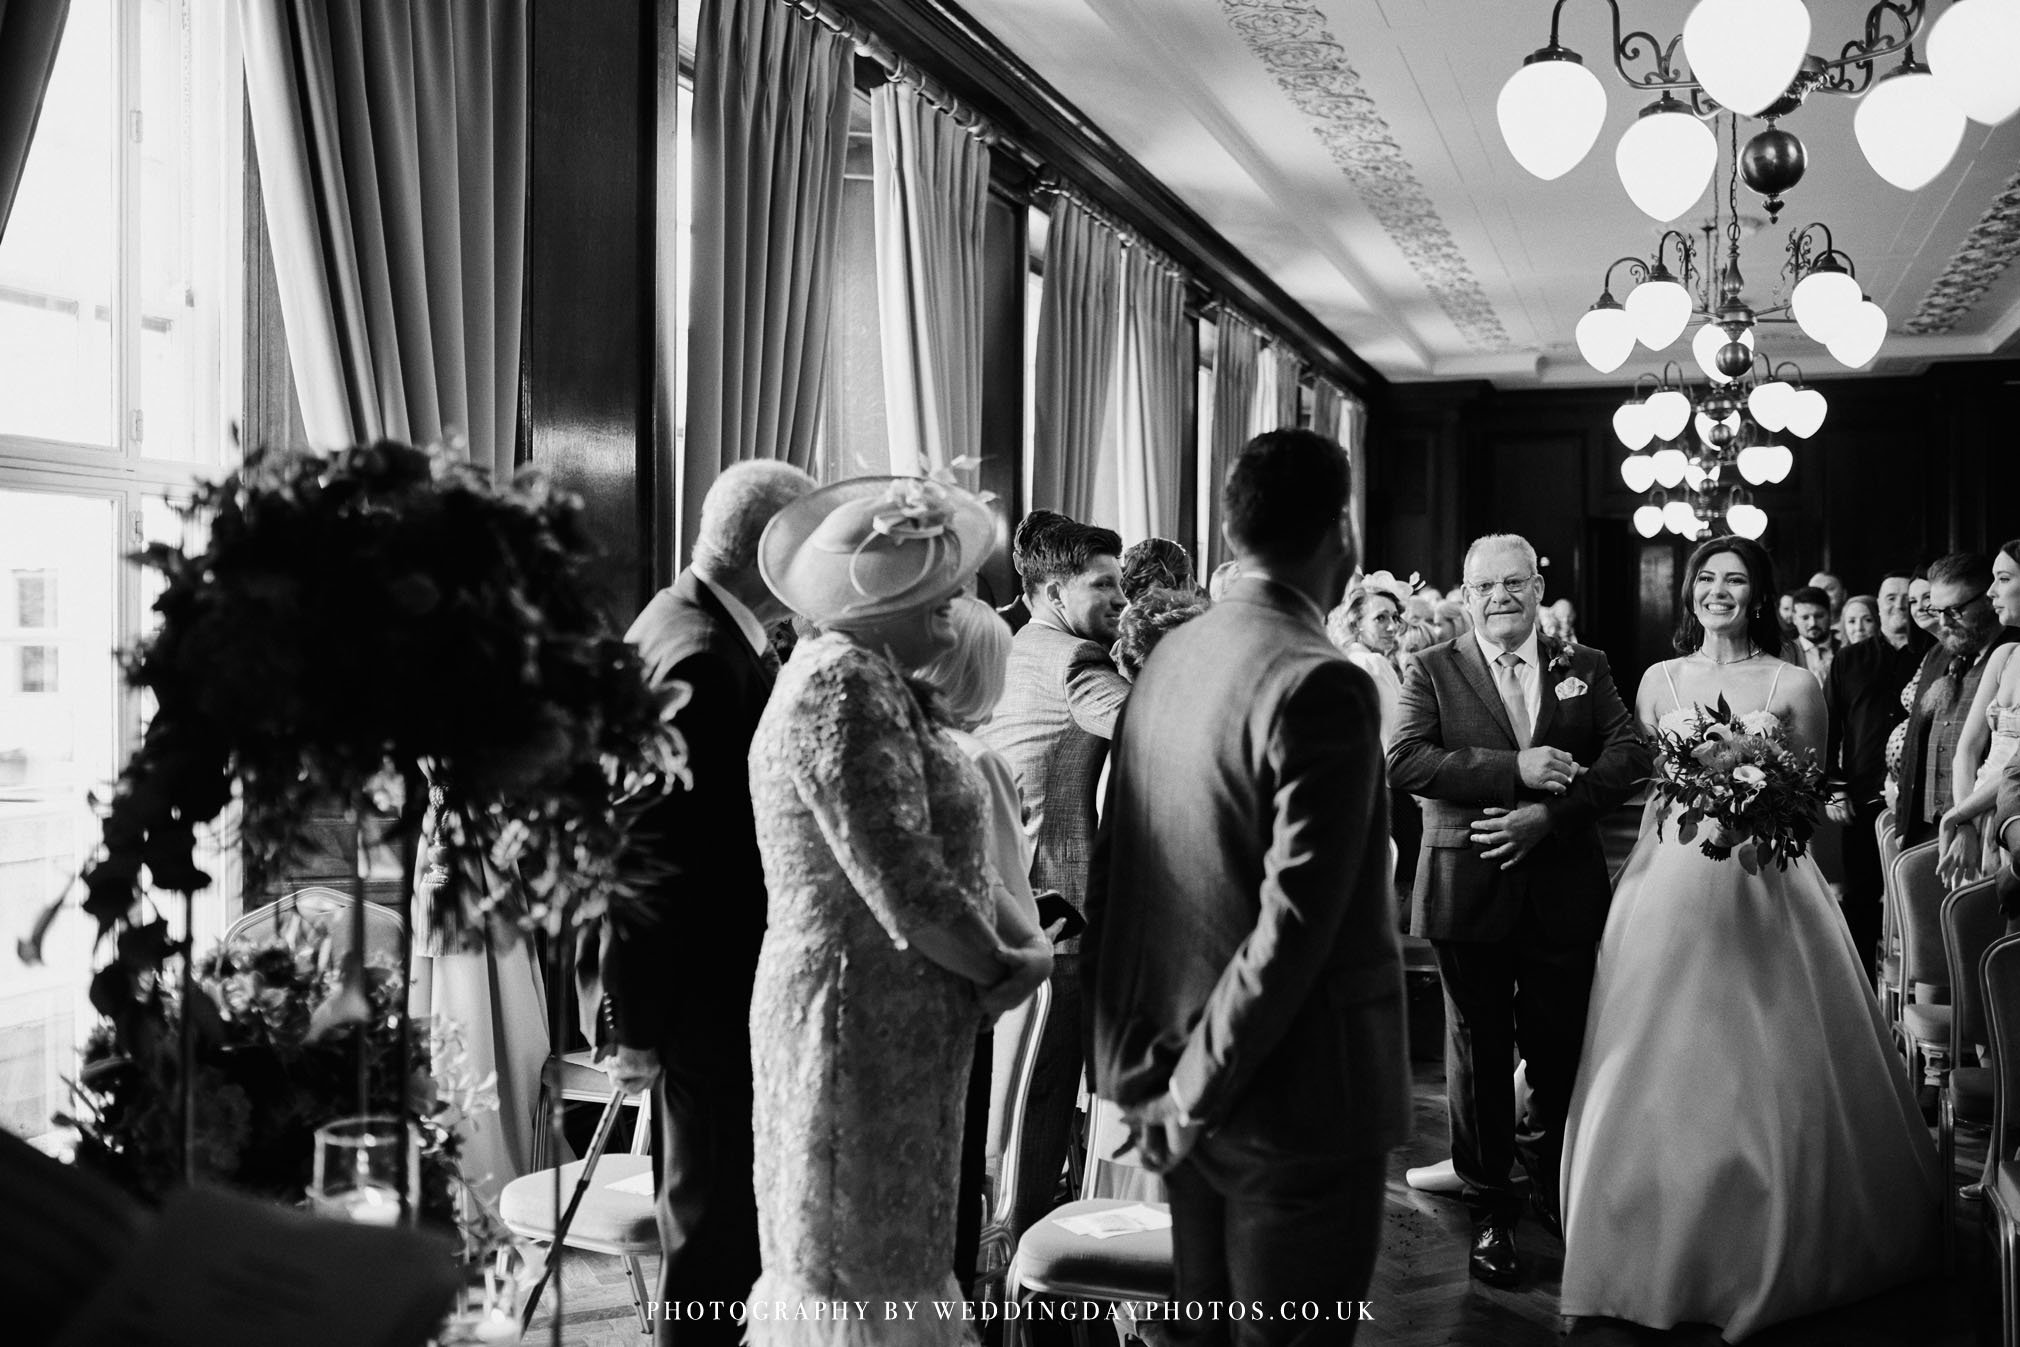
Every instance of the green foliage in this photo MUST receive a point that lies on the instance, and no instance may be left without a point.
(1731, 780)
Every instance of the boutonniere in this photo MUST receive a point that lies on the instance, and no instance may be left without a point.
(1569, 688)
(1560, 664)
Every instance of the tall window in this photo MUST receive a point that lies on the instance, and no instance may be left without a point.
(120, 369)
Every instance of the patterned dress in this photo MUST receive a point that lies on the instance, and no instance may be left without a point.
(871, 824)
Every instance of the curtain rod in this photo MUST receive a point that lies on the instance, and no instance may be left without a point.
(1051, 185)
(900, 70)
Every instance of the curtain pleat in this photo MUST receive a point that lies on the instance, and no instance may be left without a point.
(1328, 406)
(392, 153)
(1353, 433)
(1238, 352)
(31, 32)
(1157, 372)
(771, 132)
(932, 188)
(1276, 399)
(1078, 317)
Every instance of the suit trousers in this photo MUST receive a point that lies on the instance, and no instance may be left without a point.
(1049, 1107)
(1272, 1230)
(1523, 994)
(707, 1211)
(1861, 902)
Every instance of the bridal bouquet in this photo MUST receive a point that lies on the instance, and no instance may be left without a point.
(1748, 795)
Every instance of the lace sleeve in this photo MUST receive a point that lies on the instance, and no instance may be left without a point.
(862, 775)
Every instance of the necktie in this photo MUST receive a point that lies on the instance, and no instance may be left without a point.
(1511, 694)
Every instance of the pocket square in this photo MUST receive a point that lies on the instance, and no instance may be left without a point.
(1570, 687)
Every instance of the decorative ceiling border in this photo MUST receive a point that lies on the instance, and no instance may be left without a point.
(1311, 66)
(1981, 259)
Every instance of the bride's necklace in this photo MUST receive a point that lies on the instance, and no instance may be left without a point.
(1753, 652)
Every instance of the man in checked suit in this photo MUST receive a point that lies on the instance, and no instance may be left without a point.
(1247, 982)
(1061, 694)
(1516, 745)
(1967, 632)
(677, 989)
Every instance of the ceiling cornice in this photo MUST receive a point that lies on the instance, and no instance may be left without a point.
(940, 37)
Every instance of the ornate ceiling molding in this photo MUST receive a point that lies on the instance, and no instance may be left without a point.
(1981, 259)
(1311, 66)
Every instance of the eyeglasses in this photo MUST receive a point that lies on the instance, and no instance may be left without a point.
(1955, 612)
(1484, 589)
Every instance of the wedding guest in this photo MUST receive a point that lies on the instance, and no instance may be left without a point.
(1029, 536)
(1061, 697)
(1516, 750)
(1367, 628)
(1834, 591)
(1989, 739)
(1918, 603)
(885, 950)
(1862, 701)
(1567, 620)
(1151, 616)
(1156, 563)
(1785, 607)
(1860, 620)
(1816, 643)
(678, 989)
(1223, 575)
(1948, 683)
(1451, 621)
(1248, 992)
(1925, 622)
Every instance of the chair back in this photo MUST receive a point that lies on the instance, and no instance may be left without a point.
(1018, 1034)
(323, 909)
(1971, 922)
(1108, 1174)
(1999, 980)
(1890, 912)
(1919, 897)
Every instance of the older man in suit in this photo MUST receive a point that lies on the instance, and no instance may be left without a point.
(1516, 746)
(1246, 981)
(1061, 694)
(677, 989)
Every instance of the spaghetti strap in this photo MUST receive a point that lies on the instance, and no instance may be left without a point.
(1781, 666)
(1674, 695)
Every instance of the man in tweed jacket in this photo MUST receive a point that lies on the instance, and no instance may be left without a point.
(1967, 632)
(1061, 695)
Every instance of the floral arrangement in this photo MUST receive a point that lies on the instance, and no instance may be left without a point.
(360, 628)
(1752, 797)
(271, 1068)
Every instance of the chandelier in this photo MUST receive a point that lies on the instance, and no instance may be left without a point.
(1750, 58)
(1703, 440)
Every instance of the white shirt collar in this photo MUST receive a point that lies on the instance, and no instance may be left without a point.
(1530, 650)
(746, 621)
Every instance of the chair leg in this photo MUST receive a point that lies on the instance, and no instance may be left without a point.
(1946, 1131)
(636, 1272)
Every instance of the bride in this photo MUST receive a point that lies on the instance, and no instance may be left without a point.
(1743, 1146)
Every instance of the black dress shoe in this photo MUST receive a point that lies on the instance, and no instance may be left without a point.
(1493, 1258)
(1546, 1215)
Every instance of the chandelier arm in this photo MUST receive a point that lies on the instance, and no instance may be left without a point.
(1636, 268)
(1861, 55)
(1801, 258)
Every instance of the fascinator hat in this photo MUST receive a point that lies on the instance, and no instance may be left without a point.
(1381, 582)
(861, 550)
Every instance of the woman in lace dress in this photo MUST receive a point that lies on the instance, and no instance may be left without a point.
(881, 954)
(1743, 1147)
(1991, 738)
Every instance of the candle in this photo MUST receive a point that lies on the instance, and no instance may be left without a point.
(366, 1204)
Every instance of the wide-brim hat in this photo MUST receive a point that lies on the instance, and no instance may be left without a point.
(863, 549)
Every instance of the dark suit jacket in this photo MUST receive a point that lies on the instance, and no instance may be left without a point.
(681, 984)
(1455, 750)
(1243, 924)
(1862, 697)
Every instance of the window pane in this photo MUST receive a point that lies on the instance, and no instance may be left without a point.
(58, 728)
(169, 372)
(57, 259)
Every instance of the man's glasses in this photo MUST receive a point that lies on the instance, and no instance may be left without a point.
(1484, 589)
(1954, 614)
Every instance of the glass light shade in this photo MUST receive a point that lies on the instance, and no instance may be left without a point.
(1746, 52)
(1705, 346)
(1669, 465)
(1679, 518)
(1748, 521)
(1605, 337)
(1638, 472)
(1784, 459)
(1908, 127)
(1694, 476)
(1806, 412)
(1665, 162)
(1860, 335)
(1630, 424)
(1658, 310)
(1822, 301)
(1648, 520)
(1755, 462)
(1550, 112)
(1971, 52)
(1668, 413)
(1769, 403)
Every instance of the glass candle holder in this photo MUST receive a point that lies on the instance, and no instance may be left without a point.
(363, 1168)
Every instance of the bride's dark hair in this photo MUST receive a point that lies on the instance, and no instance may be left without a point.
(1763, 623)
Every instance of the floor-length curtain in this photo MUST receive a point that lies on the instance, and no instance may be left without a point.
(1157, 371)
(1238, 351)
(31, 31)
(771, 133)
(1078, 320)
(932, 185)
(1276, 399)
(1352, 431)
(391, 140)
(1328, 408)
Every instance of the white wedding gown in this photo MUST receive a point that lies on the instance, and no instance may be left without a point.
(1743, 1146)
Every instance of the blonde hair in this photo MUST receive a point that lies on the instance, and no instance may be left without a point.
(969, 677)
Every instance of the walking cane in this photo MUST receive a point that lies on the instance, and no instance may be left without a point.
(595, 1153)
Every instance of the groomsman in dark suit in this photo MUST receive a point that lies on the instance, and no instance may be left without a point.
(1516, 745)
(677, 989)
(1246, 983)
(1967, 632)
